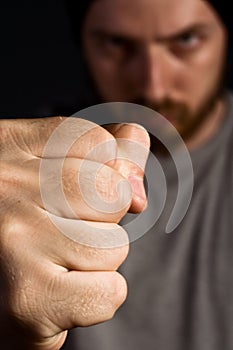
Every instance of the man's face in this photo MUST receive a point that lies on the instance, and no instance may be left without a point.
(166, 54)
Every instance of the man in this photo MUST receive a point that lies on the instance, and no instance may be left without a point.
(169, 55)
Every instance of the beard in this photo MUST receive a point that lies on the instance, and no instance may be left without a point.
(186, 122)
(180, 115)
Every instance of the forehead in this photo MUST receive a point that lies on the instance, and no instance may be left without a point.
(146, 18)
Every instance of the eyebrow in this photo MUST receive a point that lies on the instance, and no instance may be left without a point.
(197, 27)
(103, 33)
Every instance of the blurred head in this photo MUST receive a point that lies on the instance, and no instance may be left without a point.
(168, 55)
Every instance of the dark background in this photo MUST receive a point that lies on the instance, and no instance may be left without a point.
(40, 69)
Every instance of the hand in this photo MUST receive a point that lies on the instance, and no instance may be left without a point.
(55, 280)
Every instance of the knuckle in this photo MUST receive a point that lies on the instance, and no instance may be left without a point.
(101, 259)
(95, 191)
(11, 228)
(10, 178)
(118, 290)
(102, 299)
(116, 256)
(96, 144)
(113, 192)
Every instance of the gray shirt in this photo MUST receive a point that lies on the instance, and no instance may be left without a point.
(180, 284)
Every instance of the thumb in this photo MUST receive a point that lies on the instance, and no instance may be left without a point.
(133, 143)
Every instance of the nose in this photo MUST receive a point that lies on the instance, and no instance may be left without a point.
(153, 75)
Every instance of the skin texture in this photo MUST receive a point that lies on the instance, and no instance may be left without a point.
(53, 283)
(170, 58)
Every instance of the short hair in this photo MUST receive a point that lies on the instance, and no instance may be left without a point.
(77, 10)
(224, 12)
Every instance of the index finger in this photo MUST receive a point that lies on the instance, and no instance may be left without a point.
(58, 137)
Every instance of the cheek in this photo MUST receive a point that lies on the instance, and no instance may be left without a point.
(202, 77)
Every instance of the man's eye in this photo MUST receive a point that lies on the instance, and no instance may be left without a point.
(118, 47)
(115, 42)
(186, 44)
(187, 40)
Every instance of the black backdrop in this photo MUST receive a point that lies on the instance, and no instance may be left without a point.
(40, 69)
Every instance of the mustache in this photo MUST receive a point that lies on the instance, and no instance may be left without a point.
(165, 107)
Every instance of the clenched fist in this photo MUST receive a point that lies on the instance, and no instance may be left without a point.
(60, 242)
